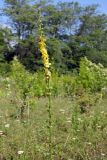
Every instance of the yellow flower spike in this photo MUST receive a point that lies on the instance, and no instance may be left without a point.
(45, 56)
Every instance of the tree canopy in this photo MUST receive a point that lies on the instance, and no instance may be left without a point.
(72, 32)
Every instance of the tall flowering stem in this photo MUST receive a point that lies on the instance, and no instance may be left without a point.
(45, 58)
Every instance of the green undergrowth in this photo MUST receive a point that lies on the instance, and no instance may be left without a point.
(79, 114)
(75, 135)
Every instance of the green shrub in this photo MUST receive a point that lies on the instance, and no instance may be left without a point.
(69, 84)
(92, 76)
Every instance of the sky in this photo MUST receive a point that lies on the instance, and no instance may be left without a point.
(102, 5)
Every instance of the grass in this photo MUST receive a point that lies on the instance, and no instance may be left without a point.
(75, 136)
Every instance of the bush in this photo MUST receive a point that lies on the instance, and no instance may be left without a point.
(92, 76)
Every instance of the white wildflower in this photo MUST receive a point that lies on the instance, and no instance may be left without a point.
(89, 143)
(102, 112)
(62, 110)
(68, 121)
(7, 125)
(1, 133)
(80, 120)
(20, 152)
(78, 130)
(102, 154)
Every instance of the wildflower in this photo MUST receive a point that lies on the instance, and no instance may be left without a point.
(1, 133)
(62, 110)
(78, 130)
(8, 85)
(98, 126)
(80, 120)
(89, 143)
(102, 112)
(102, 154)
(68, 121)
(7, 125)
(7, 79)
(20, 152)
(45, 56)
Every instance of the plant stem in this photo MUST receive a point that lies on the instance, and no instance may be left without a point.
(49, 119)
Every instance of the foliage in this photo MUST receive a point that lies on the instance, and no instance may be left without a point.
(77, 119)
(92, 76)
(5, 38)
(75, 135)
(78, 114)
(72, 32)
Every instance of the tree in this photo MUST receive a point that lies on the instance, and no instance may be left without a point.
(90, 39)
(22, 23)
(5, 47)
(72, 32)
(59, 53)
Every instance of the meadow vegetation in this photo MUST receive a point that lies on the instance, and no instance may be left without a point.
(53, 81)
(79, 114)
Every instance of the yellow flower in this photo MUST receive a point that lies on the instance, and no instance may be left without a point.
(45, 56)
